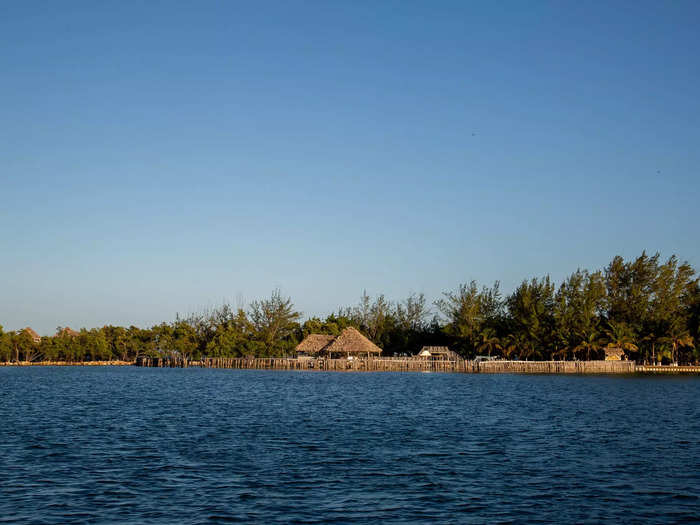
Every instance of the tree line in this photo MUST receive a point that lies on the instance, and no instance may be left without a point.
(647, 307)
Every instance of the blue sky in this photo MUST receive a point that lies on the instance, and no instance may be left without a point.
(162, 157)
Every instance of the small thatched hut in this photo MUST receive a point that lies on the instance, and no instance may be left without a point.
(614, 353)
(350, 343)
(437, 353)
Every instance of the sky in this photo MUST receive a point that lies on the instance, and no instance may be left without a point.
(165, 157)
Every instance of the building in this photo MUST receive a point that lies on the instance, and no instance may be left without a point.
(438, 353)
(35, 337)
(349, 344)
(67, 332)
(313, 344)
(614, 353)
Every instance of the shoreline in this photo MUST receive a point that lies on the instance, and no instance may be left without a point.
(394, 365)
(421, 365)
(69, 363)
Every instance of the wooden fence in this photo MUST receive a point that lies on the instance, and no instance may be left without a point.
(365, 365)
(556, 367)
(400, 365)
(390, 364)
(663, 369)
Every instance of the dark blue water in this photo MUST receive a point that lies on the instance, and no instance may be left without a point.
(131, 445)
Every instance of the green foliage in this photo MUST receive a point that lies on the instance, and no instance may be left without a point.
(578, 305)
(489, 342)
(25, 348)
(648, 307)
(332, 325)
(234, 336)
(5, 346)
(274, 321)
(468, 312)
(678, 338)
(590, 346)
(531, 317)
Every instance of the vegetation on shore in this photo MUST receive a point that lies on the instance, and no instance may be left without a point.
(647, 307)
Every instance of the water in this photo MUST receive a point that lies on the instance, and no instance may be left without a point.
(130, 445)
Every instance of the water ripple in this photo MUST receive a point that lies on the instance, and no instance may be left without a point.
(128, 445)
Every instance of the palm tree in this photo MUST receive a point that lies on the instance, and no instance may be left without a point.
(563, 351)
(489, 341)
(678, 337)
(590, 343)
(510, 348)
(651, 337)
(621, 336)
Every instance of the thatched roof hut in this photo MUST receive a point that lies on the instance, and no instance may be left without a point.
(437, 352)
(35, 337)
(314, 343)
(614, 353)
(350, 342)
(67, 331)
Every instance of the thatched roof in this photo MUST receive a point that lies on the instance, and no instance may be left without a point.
(614, 352)
(67, 331)
(35, 337)
(314, 343)
(440, 351)
(350, 341)
(435, 350)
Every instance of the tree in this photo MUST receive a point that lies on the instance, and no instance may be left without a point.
(489, 341)
(5, 346)
(184, 341)
(510, 346)
(468, 311)
(25, 348)
(590, 343)
(274, 320)
(578, 307)
(531, 316)
(413, 313)
(118, 341)
(621, 336)
(630, 290)
(650, 339)
(232, 337)
(48, 350)
(678, 337)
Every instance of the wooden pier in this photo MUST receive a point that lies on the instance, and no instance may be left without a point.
(391, 364)
(665, 369)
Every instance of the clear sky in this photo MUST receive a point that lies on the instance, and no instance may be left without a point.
(161, 157)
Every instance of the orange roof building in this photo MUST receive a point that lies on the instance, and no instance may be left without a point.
(35, 337)
(67, 332)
